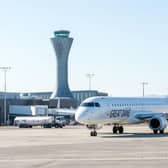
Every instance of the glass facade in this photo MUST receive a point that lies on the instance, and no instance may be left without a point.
(61, 34)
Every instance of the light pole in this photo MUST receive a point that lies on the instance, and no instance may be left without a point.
(5, 69)
(90, 76)
(143, 88)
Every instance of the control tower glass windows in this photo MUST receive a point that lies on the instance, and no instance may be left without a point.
(62, 33)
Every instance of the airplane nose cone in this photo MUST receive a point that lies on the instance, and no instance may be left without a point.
(78, 117)
(81, 116)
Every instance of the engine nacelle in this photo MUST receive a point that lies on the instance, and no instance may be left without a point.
(158, 123)
(94, 126)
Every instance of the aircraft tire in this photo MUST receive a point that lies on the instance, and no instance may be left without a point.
(93, 133)
(115, 129)
(121, 129)
(161, 131)
(155, 131)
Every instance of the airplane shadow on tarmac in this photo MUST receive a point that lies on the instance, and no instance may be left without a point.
(131, 135)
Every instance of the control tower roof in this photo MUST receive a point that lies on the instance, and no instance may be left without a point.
(62, 33)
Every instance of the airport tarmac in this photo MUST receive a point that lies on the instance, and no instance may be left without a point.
(73, 147)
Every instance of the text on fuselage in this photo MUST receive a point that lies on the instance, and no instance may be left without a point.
(119, 113)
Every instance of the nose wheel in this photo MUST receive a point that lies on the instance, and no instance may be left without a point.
(118, 129)
(93, 133)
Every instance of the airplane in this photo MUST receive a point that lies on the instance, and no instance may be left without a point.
(95, 112)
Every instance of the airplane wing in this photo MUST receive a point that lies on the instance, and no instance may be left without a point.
(148, 115)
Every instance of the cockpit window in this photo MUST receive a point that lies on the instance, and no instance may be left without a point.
(97, 104)
(90, 104)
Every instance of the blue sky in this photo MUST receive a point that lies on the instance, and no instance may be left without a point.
(122, 42)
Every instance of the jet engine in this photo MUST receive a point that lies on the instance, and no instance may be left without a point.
(158, 123)
(94, 126)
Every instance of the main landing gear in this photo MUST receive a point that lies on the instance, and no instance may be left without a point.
(160, 131)
(118, 129)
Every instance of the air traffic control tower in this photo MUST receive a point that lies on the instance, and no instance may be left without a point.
(62, 45)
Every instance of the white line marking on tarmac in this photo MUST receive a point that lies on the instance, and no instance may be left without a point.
(86, 159)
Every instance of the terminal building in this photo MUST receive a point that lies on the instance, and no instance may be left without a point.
(16, 102)
(79, 96)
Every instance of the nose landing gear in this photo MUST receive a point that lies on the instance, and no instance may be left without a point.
(93, 129)
(117, 128)
(93, 133)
